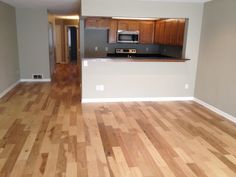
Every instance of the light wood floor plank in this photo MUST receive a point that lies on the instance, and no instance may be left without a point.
(46, 132)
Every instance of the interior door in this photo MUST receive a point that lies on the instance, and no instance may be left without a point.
(58, 44)
(73, 44)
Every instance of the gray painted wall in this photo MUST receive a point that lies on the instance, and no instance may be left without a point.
(32, 31)
(216, 75)
(9, 66)
(122, 79)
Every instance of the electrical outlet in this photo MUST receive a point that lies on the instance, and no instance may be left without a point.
(100, 88)
(186, 86)
(96, 48)
(85, 63)
(40, 76)
(37, 76)
(106, 49)
(147, 49)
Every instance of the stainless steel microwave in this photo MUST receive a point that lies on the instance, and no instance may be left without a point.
(127, 36)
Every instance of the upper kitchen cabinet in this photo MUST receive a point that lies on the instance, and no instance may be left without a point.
(112, 34)
(159, 32)
(128, 25)
(170, 32)
(97, 23)
(146, 32)
(181, 32)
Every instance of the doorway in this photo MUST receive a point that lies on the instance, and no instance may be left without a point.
(71, 41)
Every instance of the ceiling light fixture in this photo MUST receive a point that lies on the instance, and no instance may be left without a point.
(69, 17)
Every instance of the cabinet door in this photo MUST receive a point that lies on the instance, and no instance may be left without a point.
(180, 32)
(97, 23)
(170, 32)
(133, 25)
(167, 32)
(157, 32)
(113, 31)
(128, 25)
(103, 23)
(123, 25)
(91, 23)
(174, 32)
(160, 32)
(146, 32)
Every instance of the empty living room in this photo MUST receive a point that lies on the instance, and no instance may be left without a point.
(128, 88)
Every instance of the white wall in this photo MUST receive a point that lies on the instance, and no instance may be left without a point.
(9, 65)
(216, 76)
(32, 31)
(144, 79)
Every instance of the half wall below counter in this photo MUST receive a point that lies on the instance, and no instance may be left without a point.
(104, 79)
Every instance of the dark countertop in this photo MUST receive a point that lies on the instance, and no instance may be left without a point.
(137, 55)
(138, 58)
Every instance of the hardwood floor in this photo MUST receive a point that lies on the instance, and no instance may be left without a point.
(46, 132)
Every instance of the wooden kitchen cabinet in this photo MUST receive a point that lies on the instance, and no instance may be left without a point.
(159, 32)
(128, 25)
(112, 33)
(146, 32)
(97, 23)
(165, 31)
(170, 32)
(181, 32)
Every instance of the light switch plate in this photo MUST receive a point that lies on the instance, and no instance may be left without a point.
(85, 63)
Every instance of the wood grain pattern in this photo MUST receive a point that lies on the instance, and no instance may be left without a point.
(146, 32)
(46, 132)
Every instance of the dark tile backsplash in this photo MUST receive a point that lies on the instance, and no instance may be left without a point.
(98, 38)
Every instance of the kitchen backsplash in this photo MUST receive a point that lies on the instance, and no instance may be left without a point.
(96, 46)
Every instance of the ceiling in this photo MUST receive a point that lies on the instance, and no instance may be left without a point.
(68, 6)
(54, 6)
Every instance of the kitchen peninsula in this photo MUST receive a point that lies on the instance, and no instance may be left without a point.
(135, 59)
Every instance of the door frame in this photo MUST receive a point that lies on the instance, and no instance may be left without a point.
(52, 63)
(60, 34)
(66, 43)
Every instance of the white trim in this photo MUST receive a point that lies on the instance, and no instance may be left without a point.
(216, 110)
(35, 80)
(4, 92)
(104, 100)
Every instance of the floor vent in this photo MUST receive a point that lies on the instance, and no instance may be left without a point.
(37, 76)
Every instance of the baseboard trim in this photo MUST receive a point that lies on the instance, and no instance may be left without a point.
(216, 110)
(109, 100)
(4, 92)
(35, 80)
